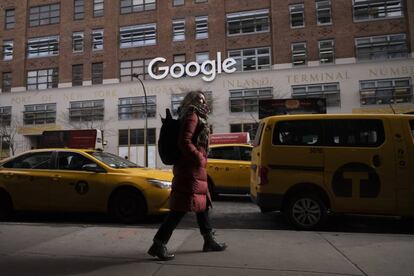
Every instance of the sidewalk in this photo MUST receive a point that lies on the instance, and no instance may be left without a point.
(38, 249)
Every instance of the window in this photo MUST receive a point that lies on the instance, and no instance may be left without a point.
(251, 128)
(227, 153)
(328, 91)
(178, 29)
(251, 59)
(298, 133)
(98, 8)
(6, 83)
(39, 114)
(72, 161)
(201, 57)
(323, 12)
(381, 47)
(10, 19)
(178, 2)
(97, 73)
(247, 100)
(374, 9)
(97, 40)
(42, 79)
(297, 15)
(176, 100)
(129, 67)
(5, 115)
(44, 15)
(77, 75)
(136, 137)
(200, 1)
(326, 51)
(78, 9)
(77, 42)
(299, 56)
(386, 91)
(354, 133)
(7, 50)
(248, 22)
(138, 35)
(134, 107)
(86, 111)
(201, 27)
(129, 6)
(37, 161)
(43, 46)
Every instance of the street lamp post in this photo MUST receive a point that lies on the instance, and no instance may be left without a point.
(146, 121)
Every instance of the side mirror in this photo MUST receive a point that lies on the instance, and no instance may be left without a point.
(92, 168)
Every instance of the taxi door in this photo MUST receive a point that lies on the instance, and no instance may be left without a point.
(360, 165)
(223, 167)
(75, 189)
(27, 178)
(244, 166)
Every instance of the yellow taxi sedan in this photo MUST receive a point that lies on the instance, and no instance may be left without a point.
(71, 180)
(228, 169)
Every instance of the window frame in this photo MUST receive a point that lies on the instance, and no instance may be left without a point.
(98, 8)
(133, 33)
(6, 83)
(9, 18)
(128, 6)
(97, 40)
(78, 38)
(178, 29)
(292, 13)
(379, 41)
(5, 115)
(50, 79)
(7, 49)
(132, 108)
(370, 15)
(244, 16)
(35, 21)
(97, 73)
(368, 94)
(298, 52)
(77, 77)
(78, 10)
(241, 59)
(201, 27)
(48, 109)
(323, 50)
(45, 46)
(324, 92)
(246, 98)
(87, 111)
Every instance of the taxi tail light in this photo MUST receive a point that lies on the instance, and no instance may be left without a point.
(263, 175)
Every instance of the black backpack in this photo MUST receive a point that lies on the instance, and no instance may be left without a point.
(168, 140)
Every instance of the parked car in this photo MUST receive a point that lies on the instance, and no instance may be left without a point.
(228, 169)
(62, 180)
(309, 166)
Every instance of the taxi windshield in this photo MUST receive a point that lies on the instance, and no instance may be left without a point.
(113, 160)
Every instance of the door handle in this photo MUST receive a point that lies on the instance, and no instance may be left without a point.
(8, 175)
(56, 177)
(376, 160)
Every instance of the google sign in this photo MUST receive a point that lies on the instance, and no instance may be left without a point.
(192, 69)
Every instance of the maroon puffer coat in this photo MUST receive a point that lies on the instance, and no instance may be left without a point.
(189, 190)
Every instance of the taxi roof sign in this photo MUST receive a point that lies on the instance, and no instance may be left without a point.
(230, 138)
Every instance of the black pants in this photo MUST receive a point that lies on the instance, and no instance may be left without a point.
(173, 219)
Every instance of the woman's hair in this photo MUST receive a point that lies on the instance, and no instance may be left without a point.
(191, 99)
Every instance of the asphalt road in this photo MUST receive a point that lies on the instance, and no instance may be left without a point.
(236, 212)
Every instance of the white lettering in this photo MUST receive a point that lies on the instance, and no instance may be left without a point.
(192, 69)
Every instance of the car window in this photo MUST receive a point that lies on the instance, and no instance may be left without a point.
(300, 133)
(112, 160)
(228, 153)
(258, 135)
(354, 133)
(72, 161)
(37, 161)
(412, 128)
(245, 153)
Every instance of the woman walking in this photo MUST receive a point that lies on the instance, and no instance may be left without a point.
(189, 190)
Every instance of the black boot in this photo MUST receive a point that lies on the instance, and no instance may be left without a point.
(159, 250)
(210, 243)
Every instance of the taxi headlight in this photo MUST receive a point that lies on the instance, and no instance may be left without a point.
(160, 183)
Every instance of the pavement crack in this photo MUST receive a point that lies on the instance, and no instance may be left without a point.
(343, 254)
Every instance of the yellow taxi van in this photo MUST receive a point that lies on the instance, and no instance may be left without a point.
(310, 165)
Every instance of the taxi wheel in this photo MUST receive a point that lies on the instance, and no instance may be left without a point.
(128, 206)
(6, 206)
(306, 211)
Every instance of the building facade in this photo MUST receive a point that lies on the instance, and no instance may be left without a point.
(71, 64)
